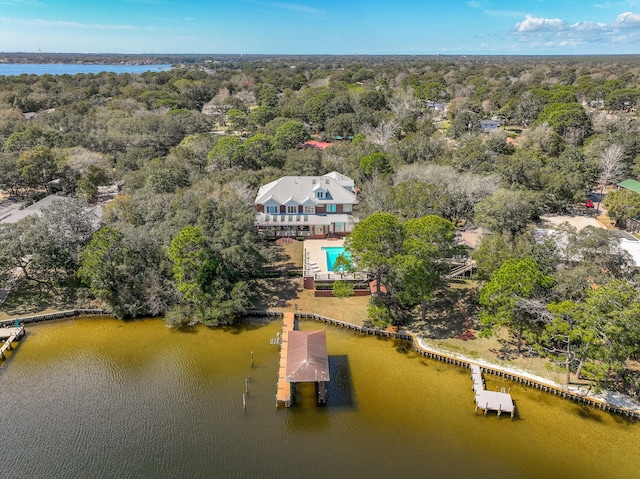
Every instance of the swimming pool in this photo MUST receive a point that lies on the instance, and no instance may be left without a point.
(332, 253)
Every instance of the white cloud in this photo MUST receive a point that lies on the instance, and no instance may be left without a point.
(625, 29)
(474, 4)
(628, 20)
(538, 24)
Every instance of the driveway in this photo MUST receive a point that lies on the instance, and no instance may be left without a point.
(577, 221)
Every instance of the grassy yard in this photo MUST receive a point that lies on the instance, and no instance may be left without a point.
(29, 298)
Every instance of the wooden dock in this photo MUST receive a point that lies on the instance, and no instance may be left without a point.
(499, 401)
(453, 358)
(9, 335)
(284, 395)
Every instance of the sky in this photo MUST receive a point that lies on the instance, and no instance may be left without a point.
(349, 27)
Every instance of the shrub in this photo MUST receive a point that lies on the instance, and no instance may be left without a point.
(342, 289)
(379, 315)
(178, 315)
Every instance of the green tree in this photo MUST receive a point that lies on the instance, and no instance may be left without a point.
(205, 281)
(421, 269)
(121, 271)
(373, 244)
(622, 205)
(38, 167)
(506, 299)
(379, 314)
(569, 120)
(290, 134)
(228, 153)
(508, 210)
(566, 339)
(342, 289)
(375, 164)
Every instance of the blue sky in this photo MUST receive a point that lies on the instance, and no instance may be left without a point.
(374, 27)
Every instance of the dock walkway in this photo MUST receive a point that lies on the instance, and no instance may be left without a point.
(9, 335)
(499, 401)
(283, 395)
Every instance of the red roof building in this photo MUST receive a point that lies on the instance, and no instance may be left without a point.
(320, 145)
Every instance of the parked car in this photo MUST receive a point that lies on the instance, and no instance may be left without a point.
(588, 203)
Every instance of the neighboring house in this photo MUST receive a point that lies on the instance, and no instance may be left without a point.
(319, 145)
(309, 206)
(489, 125)
(13, 213)
(440, 108)
(631, 185)
(626, 242)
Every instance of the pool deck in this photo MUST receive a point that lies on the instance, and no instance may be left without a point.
(315, 257)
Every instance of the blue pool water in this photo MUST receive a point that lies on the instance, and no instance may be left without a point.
(332, 253)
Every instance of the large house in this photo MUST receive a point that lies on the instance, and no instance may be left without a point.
(309, 206)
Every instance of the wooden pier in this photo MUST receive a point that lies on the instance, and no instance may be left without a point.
(499, 401)
(303, 359)
(284, 394)
(9, 335)
(452, 358)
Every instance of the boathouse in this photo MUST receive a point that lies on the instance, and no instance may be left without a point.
(303, 359)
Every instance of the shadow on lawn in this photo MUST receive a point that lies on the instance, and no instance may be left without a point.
(31, 297)
(443, 319)
(275, 292)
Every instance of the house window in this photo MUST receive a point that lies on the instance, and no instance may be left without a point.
(310, 209)
(347, 208)
(331, 208)
(320, 194)
(272, 209)
(292, 209)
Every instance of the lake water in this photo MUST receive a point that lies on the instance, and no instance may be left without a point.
(98, 397)
(13, 69)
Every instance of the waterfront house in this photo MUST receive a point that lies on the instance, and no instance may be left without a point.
(307, 206)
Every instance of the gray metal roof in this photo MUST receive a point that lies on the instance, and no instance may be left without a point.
(338, 188)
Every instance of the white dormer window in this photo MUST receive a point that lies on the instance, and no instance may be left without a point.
(292, 209)
(272, 209)
(320, 194)
(310, 209)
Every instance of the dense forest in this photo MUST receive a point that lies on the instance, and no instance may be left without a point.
(189, 147)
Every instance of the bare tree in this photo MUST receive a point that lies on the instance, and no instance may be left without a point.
(611, 168)
(383, 133)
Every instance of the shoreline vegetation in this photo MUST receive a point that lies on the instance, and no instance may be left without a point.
(604, 400)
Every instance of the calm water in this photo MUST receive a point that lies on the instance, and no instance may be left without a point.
(102, 398)
(12, 69)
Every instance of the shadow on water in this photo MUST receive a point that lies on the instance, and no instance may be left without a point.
(8, 358)
(402, 346)
(588, 412)
(340, 391)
